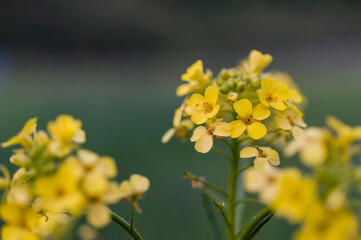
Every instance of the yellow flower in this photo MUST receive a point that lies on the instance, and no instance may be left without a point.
(273, 93)
(264, 156)
(291, 121)
(5, 180)
(24, 136)
(262, 182)
(311, 145)
(323, 224)
(196, 78)
(92, 162)
(64, 131)
(134, 188)
(203, 136)
(19, 222)
(205, 106)
(249, 119)
(53, 224)
(60, 192)
(295, 196)
(181, 131)
(257, 61)
(345, 133)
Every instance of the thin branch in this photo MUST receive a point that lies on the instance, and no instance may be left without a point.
(221, 153)
(245, 168)
(126, 226)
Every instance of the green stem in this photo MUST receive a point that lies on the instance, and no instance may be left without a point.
(210, 185)
(232, 189)
(126, 226)
(256, 224)
(245, 168)
(132, 217)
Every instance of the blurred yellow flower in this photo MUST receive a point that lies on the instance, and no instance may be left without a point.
(203, 136)
(196, 78)
(264, 156)
(256, 62)
(181, 131)
(311, 145)
(273, 93)
(134, 188)
(295, 195)
(323, 224)
(24, 137)
(205, 106)
(290, 120)
(64, 131)
(249, 119)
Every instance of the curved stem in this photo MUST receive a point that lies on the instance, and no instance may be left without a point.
(126, 226)
(256, 224)
(245, 168)
(220, 152)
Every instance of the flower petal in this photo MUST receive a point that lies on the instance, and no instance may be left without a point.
(278, 104)
(204, 143)
(273, 157)
(199, 117)
(196, 101)
(261, 112)
(260, 163)
(140, 184)
(268, 85)
(222, 129)
(184, 89)
(198, 132)
(256, 130)
(211, 95)
(238, 128)
(283, 122)
(262, 97)
(168, 135)
(243, 107)
(297, 132)
(98, 216)
(249, 152)
(282, 91)
(214, 111)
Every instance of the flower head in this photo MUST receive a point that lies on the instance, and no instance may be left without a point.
(135, 188)
(24, 137)
(257, 61)
(263, 156)
(249, 119)
(205, 106)
(273, 93)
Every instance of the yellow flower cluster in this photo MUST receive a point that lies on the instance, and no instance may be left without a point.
(323, 201)
(242, 103)
(57, 182)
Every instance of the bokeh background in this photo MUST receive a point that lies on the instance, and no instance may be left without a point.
(116, 64)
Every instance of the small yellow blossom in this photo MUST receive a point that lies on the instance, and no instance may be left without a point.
(64, 131)
(323, 224)
(256, 62)
(264, 156)
(262, 182)
(273, 93)
(205, 106)
(345, 133)
(311, 145)
(295, 195)
(134, 188)
(203, 136)
(24, 137)
(196, 78)
(290, 120)
(181, 131)
(249, 119)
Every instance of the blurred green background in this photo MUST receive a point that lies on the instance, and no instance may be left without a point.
(115, 65)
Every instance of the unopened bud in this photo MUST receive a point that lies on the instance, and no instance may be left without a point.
(219, 206)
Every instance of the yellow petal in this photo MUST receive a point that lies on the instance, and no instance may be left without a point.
(222, 129)
(249, 152)
(313, 155)
(262, 97)
(95, 184)
(238, 128)
(140, 184)
(198, 132)
(282, 91)
(177, 117)
(111, 195)
(98, 215)
(195, 67)
(168, 135)
(268, 85)
(261, 112)
(256, 130)
(188, 124)
(214, 111)
(184, 89)
(125, 189)
(278, 104)
(295, 96)
(196, 102)
(273, 157)
(297, 132)
(199, 117)
(260, 163)
(204, 143)
(30, 126)
(211, 95)
(243, 107)
(283, 122)
(106, 165)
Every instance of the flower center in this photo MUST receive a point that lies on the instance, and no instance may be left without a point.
(271, 98)
(248, 120)
(208, 108)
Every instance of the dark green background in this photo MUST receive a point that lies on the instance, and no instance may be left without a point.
(115, 65)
